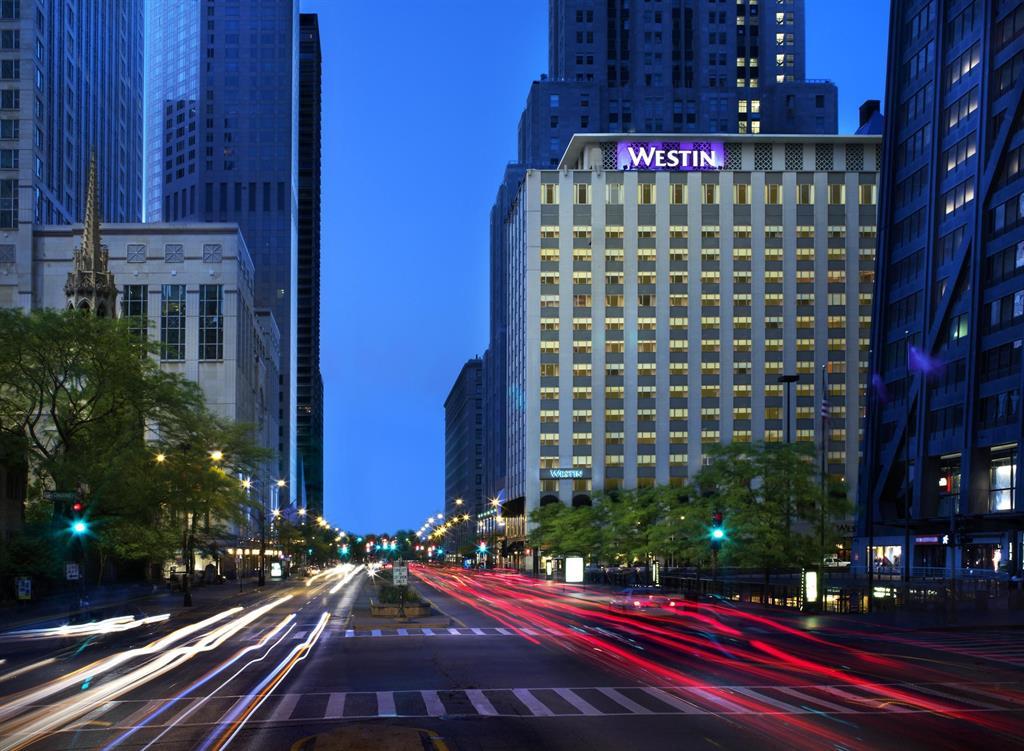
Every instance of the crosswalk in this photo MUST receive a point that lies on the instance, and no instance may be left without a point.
(351, 633)
(619, 701)
(1004, 646)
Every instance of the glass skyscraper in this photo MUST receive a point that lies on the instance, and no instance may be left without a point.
(308, 382)
(222, 146)
(71, 84)
(943, 429)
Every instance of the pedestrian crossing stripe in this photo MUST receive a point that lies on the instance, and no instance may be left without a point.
(490, 631)
(619, 701)
(999, 646)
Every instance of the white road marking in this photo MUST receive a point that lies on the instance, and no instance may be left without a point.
(335, 707)
(386, 704)
(480, 702)
(582, 705)
(619, 698)
(536, 707)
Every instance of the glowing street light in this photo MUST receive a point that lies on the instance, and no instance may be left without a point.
(216, 455)
(160, 458)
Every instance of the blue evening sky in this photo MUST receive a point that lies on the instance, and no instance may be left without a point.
(421, 103)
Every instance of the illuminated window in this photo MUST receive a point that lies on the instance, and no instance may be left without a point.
(645, 193)
(773, 194)
(709, 193)
(677, 193)
(549, 193)
(837, 194)
(581, 194)
(805, 194)
(868, 195)
(741, 194)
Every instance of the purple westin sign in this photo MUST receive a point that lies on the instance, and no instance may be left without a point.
(656, 155)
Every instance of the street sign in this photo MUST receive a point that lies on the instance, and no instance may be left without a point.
(400, 574)
(24, 586)
(71, 572)
(51, 495)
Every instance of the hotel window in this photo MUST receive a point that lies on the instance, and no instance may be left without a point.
(868, 194)
(677, 193)
(805, 194)
(1002, 481)
(710, 193)
(134, 306)
(741, 194)
(10, 99)
(172, 322)
(773, 194)
(9, 159)
(549, 369)
(211, 322)
(549, 193)
(645, 193)
(581, 194)
(837, 194)
(614, 193)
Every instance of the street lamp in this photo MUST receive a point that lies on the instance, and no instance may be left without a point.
(216, 455)
(160, 458)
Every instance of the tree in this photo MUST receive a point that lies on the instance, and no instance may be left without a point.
(769, 496)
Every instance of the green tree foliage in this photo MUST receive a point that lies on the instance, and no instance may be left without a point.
(768, 493)
(89, 411)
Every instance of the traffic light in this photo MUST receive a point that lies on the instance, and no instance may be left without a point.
(79, 527)
(717, 531)
(78, 524)
(482, 547)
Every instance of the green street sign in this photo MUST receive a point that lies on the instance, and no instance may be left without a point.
(64, 496)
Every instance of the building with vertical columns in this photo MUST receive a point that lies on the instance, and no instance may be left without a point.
(654, 305)
(944, 432)
(222, 146)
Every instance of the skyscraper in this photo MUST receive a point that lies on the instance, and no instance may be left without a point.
(463, 443)
(943, 428)
(222, 146)
(309, 384)
(676, 66)
(71, 81)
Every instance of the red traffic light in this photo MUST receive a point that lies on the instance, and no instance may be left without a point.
(78, 507)
(716, 519)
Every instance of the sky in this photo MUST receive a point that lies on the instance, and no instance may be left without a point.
(420, 109)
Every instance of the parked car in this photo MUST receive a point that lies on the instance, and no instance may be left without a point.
(638, 600)
(833, 561)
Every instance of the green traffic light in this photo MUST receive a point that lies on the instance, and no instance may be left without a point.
(717, 534)
(79, 527)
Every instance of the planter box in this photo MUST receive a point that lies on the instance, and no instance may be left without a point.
(412, 610)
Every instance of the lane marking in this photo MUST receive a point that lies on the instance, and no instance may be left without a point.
(433, 703)
(532, 703)
(386, 704)
(672, 700)
(479, 632)
(375, 632)
(285, 707)
(619, 698)
(581, 704)
(335, 707)
(480, 702)
(714, 698)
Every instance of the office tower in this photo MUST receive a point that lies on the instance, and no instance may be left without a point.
(676, 66)
(943, 429)
(222, 146)
(659, 291)
(679, 66)
(463, 445)
(309, 385)
(71, 77)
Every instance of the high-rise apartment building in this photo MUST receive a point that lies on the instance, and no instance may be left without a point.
(309, 385)
(660, 288)
(944, 431)
(222, 146)
(71, 82)
(464, 444)
(674, 66)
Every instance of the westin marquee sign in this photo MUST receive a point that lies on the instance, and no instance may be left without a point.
(655, 155)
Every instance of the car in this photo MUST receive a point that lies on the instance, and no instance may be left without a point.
(638, 600)
(833, 561)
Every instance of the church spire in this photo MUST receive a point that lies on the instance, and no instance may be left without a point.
(92, 256)
(90, 285)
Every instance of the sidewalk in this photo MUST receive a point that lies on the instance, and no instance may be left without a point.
(135, 599)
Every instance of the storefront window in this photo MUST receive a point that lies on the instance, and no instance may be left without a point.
(888, 558)
(981, 556)
(1002, 482)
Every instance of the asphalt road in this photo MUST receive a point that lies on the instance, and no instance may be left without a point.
(524, 665)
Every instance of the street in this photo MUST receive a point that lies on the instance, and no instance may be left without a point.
(524, 664)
